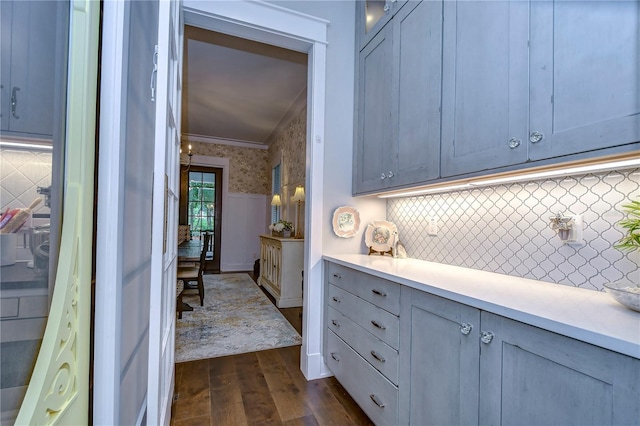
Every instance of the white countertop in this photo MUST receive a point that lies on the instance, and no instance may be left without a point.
(586, 315)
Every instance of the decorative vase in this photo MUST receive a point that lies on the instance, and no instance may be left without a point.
(286, 233)
(276, 234)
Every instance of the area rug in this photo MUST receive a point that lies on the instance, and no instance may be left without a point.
(236, 318)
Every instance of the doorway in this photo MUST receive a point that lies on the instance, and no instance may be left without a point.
(282, 27)
(201, 208)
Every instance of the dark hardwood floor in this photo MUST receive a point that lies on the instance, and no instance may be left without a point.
(265, 387)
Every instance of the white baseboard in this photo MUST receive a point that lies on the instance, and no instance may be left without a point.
(236, 267)
(313, 366)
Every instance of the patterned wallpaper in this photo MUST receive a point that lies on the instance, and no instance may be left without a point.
(249, 170)
(506, 229)
(293, 145)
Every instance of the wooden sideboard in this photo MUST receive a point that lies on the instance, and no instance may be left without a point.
(281, 263)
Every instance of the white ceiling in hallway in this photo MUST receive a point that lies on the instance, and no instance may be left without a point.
(239, 90)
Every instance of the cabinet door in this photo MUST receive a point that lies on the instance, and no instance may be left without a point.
(417, 38)
(438, 363)
(484, 85)
(33, 59)
(373, 122)
(529, 376)
(585, 63)
(6, 13)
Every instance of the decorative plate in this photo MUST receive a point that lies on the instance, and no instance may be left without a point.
(346, 222)
(380, 235)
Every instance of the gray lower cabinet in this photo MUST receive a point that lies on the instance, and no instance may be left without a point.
(460, 365)
(362, 339)
(397, 130)
(439, 359)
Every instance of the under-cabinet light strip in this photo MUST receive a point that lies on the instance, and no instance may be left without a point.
(26, 145)
(618, 164)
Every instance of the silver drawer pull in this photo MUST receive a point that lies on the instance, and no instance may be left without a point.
(334, 356)
(378, 357)
(335, 299)
(376, 401)
(335, 323)
(378, 325)
(338, 276)
(379, 293)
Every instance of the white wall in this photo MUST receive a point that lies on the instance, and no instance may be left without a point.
(240, 236)
(339, 115)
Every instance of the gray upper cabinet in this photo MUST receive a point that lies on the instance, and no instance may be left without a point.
(373, 123)
(417, 38)
(484, 85)
(398, 99)
(585, 68)
(372, 16)
(471, 88)
(28, 56)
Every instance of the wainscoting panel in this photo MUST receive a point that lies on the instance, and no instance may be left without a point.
(243, 222)
(505, 228)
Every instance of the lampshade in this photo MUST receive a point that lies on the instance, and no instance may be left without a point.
(275, 201)
(299, 194)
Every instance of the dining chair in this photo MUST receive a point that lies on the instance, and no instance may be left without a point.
(189, 274)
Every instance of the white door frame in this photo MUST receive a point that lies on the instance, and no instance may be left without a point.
(293, 30)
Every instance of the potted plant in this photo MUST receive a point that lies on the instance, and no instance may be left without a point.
(281, 228)
(631, 241)
(624, 292)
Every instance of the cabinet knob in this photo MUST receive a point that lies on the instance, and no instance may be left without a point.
(338, 276)
(486, 337)
(536, 137)
(386, 7)
(335, 323)
(465, 328)
(335, 299)
(335, 357)
(382, 176)
(376, 401)
(514, 143)
(379, 293)
(390, 174)
(376, 324)
(377, 356)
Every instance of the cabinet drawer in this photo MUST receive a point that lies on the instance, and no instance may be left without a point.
(377, 321)
(380, 355)
(377, 396)
(380, 292)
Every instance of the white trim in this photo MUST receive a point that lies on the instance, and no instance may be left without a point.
(189, 137)
(282, 27)
(110, 217)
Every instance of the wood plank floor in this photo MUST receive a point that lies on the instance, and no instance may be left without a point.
(257, 388)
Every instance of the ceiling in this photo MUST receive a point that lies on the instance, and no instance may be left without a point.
(237, 90)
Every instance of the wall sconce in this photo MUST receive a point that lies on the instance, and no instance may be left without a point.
(298, 197)
(275, 201)
(190, 154)
(569, 228)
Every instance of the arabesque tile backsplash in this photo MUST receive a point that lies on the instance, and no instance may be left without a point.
(505, 228)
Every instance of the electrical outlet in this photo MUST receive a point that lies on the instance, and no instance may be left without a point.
(576, 235)
(432, 228)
